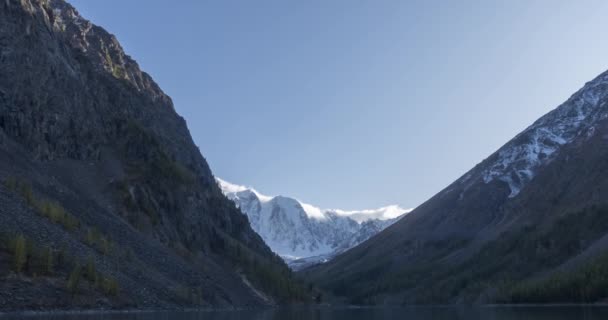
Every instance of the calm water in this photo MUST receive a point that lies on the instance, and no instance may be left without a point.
(430, 313)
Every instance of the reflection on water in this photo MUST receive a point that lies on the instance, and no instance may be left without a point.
(414, 313)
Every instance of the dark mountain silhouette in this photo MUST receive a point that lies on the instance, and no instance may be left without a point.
(106, 201)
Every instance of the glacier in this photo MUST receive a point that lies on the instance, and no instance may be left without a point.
(302, 233)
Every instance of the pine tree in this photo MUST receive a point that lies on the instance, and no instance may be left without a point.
(74, 280)
(49, 261)
(91, 271)
(20, 254)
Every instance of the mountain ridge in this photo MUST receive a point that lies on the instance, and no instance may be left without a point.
(492, 234)
(98, 169)
(296, 230)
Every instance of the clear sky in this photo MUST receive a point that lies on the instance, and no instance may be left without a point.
(358, 104)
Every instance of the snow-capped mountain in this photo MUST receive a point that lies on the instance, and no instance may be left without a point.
(296, 230)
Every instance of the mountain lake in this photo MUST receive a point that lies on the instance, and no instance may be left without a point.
(345, 313)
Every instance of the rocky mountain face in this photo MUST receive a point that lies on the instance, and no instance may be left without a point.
(528, 224)
(99, 170)
(303, 234)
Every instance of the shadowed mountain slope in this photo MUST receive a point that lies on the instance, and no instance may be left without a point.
(525, 225)
(100, 171)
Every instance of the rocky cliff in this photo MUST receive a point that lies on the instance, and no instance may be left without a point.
(89, 139)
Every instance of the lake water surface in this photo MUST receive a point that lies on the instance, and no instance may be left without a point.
(414, 313)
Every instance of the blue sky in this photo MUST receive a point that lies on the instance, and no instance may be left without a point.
(358, 104)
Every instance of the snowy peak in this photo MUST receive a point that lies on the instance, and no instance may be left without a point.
(385, 213)
(313, 212)
(297, 230)
(233, 190)
(228, 187)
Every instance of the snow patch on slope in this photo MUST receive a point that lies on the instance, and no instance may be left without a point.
(518, 160)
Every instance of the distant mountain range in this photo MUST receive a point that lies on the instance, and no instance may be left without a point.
(528, 224)
(302, 233)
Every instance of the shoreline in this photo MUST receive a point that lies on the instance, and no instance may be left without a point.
(4, 314)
